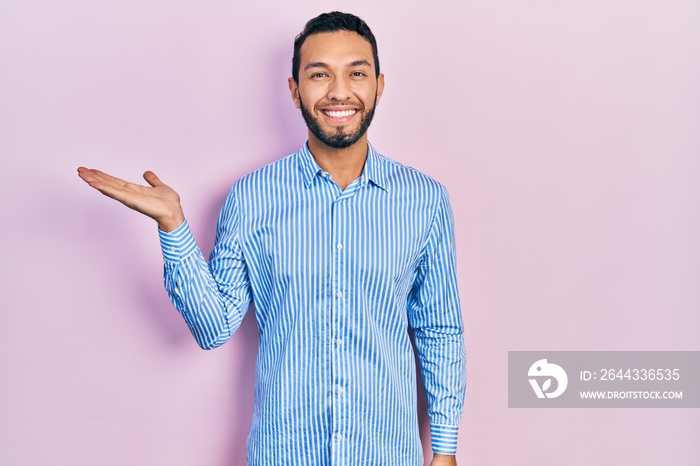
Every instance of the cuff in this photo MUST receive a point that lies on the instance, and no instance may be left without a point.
(444, 438)
(177, 244)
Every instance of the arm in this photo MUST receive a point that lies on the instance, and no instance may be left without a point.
(212, 298)
(434, 314)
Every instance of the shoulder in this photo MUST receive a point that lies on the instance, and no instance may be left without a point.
(261, 185)
(283, 168)
(402, 178)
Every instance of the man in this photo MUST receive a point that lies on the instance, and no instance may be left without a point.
(342, 251)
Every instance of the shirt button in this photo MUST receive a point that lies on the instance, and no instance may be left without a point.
(339, 246)
(339, 294)
(339, 341)
(339, 436)
(173, 249)
(340, 390)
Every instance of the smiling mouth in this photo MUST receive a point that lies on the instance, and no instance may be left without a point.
(339, 113)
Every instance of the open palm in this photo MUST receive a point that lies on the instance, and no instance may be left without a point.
(158, 201)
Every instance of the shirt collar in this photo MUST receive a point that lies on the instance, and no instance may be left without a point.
(374, 169)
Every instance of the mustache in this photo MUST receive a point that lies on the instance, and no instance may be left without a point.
(345, 103)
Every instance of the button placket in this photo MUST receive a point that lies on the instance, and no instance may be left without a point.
(339, 326)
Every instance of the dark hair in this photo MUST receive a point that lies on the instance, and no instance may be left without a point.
(331, 22)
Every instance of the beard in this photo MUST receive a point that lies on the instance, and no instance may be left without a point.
(338, 138)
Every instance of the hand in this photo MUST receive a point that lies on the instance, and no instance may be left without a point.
(443, 460)
(159, 201)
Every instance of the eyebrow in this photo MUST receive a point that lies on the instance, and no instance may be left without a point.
(360, 63)
(320, 64)
(315, 64)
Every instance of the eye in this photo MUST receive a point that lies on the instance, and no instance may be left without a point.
(357, 74)
(318, 75)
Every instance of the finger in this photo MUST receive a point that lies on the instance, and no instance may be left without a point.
(111, 186)
(152, 179)
(91, 175)
(85, 174)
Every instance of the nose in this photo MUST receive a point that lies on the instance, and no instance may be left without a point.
(339, 89)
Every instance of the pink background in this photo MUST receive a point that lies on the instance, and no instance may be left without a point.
(566, 132)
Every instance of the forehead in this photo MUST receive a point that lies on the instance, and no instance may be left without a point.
(337, 47)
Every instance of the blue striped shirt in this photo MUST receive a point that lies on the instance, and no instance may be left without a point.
(337, 278)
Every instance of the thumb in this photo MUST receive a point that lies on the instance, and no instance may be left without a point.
(152, 179)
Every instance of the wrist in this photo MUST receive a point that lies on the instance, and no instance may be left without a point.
(440, 459)
(171, 223)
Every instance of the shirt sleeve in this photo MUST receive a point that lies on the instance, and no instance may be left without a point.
(212, 297)
(435, 316)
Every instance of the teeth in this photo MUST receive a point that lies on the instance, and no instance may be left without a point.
(339, 114)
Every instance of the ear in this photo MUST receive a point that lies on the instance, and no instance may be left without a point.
(380, 86)
(294, 90)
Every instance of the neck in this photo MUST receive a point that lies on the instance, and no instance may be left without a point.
(344, 165)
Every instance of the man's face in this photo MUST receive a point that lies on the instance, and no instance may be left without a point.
(338, 88)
